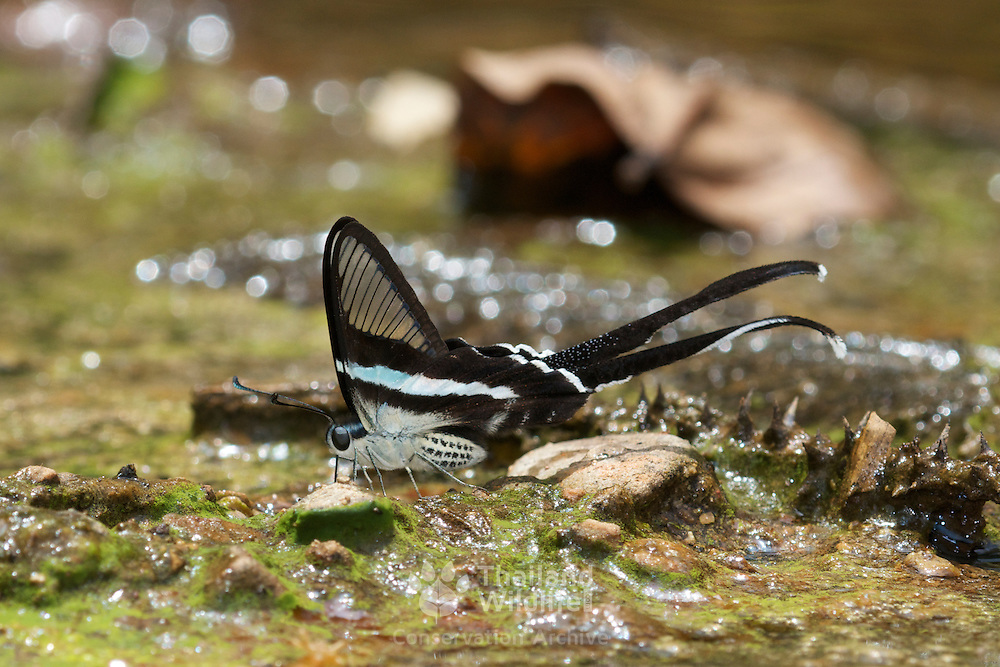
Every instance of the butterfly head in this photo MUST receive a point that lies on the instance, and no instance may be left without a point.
(341, 438)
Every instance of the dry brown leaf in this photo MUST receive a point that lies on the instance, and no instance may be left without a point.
(559, 126)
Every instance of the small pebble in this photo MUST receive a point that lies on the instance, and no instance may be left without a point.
(39, 475)
(329, 552)
(591, 533)
(931, 565)
(237, 570)
(663, 556)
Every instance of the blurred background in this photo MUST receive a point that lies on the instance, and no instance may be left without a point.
(168, 171)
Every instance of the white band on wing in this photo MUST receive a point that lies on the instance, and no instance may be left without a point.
(419, 384)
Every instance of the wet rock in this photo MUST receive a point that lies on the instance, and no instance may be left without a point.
(453, 518)
(664, 556)
(166, 557)
(47, 551)
(591, 533)
(342, 608)
(210, 530)
(109, 500)
(236, 575)
(931, 565)
(867, 456)
(592, 625)
(38, 475)
(655, 477)
(329, 552)
(342, 512)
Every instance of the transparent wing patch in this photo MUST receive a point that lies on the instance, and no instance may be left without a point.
(371, 301)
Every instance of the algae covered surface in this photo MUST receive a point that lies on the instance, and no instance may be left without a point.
(462, 576)
(195, 554)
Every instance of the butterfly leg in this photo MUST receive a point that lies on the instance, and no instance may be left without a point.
(377, 471)
(442, 470)
(413, 481)
(371, 487)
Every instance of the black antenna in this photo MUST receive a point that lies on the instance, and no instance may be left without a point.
(277, 399)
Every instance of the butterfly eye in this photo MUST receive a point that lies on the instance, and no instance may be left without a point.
(339, 438)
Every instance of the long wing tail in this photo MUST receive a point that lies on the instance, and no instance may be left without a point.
(630, 336)
(604, 372)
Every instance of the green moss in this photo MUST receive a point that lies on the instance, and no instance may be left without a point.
(50, 552)
(758, 479)
(363, 526)
(89, 629)
(113, 501)
(184, 497)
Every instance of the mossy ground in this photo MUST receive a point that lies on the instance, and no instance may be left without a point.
(68, 288)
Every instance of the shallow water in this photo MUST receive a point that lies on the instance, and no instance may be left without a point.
(98, 359)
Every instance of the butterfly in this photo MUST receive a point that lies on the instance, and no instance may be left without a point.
(420, 402)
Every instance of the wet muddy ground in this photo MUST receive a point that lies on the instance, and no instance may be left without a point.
(162, 238)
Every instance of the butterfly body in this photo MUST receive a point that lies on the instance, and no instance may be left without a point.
(406, 439)
(424, 403)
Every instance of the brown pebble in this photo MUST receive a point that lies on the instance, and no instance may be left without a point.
(663, 556)
(38, 475)
(707, 518)
(329, 552)
(591, 532)
(236, 503)
(931, 565)
(237, 570)
(657, 478)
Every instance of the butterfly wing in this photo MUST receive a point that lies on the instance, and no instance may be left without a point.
(487, 390)
(401, 378)
(379, 331)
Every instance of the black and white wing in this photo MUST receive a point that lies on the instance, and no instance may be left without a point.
(504, 386)
(397, 374)
(380, 333)
(401, 378)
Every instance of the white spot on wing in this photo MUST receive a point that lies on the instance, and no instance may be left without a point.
(839, 347)
(573, 379)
